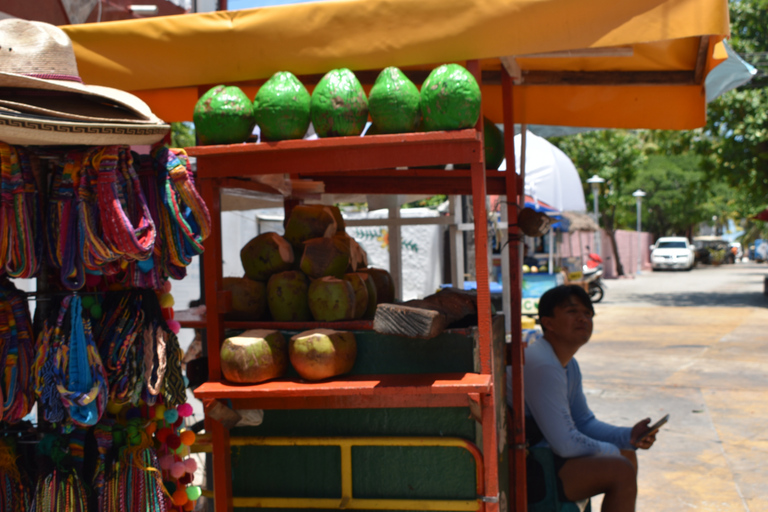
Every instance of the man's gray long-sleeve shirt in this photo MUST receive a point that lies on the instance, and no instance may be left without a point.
(555, 399)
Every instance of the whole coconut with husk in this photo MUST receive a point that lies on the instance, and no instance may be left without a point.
(385, 285)
(308, 221)
(358, 258)
(331, 299)
(325, 257)
(341, 226)
(223, 115)
(322, 353)
(254, 356)
(370, 310)
(287, 297)
(249, 298)
(281, 107)
(339, 107)
(266, 254)
(361, 292)
(450, 99)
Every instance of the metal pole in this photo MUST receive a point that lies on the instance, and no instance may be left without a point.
(595, 189)
(639, 255)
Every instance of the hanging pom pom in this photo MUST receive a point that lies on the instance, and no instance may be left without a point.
(170, 487)
(173, 442)
(162, 435)
(194, 492)
(180, 497)
(96, 311)
(182, 451)
(174, 326)
(168, 313)
(166, 463)
(189, 506)
(186, 479)
(167, 287)
(88, 300)
(185, 410)
(190, 465)
(114, 407)
(160, 412)
(166, 300)
(178, 470)
(151, 428)
(171, 415)
(187, 438)
(92, 280)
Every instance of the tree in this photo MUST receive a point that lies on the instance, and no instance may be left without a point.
(615, 156)
(735, 141)
(678, 195)
(182, 135)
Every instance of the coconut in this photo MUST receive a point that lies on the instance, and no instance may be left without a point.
(322, 353)
(325, 257)
(223, 115)
(370, 310)
(281, 107)
(361, 292)
(339, 107)
(450, 99)
(249, 297)
(254, 356)
(358, 258)
(308, 221)
(394, 102)
(331, 299)
(267, 254)
(385, 285)
(287, 297)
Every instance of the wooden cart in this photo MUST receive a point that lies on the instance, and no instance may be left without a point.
(371, 165)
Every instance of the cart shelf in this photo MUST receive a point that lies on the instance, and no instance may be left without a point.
(377, 385)
(192, 320)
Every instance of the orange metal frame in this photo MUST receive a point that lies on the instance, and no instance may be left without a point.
(346, 163)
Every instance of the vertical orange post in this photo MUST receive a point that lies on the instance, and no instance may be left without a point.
(490, 433)
(222, 480)
(515, 355)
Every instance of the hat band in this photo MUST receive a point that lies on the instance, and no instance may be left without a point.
(53, 76)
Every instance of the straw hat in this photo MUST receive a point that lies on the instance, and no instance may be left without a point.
(43, 101)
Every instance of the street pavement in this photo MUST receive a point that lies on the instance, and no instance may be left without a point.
(694, 345)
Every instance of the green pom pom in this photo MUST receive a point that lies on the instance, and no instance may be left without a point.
(88, 301)
(96, 311)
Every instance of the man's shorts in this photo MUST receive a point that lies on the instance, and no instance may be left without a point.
(536, 479)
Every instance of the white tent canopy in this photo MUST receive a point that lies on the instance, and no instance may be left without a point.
(550, 176)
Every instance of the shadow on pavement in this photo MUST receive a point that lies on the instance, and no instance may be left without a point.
(702, 299)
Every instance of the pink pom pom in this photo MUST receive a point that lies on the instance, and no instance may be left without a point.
(190, 465)
(167, 287)
(185, 410)
(178, 469)
(174, 326)
(166, 462)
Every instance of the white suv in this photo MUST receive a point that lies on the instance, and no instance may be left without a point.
(672, 252)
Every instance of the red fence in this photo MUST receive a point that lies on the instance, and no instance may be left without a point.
(575, 244)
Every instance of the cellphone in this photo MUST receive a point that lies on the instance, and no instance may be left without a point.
(655, 426)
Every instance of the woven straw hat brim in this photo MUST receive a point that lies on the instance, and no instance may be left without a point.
(29, 130)
(122, 98)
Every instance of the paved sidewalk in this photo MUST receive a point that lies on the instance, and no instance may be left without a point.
(708, 368)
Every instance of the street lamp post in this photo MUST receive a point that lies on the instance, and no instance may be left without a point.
(595, 181)
(639, 195)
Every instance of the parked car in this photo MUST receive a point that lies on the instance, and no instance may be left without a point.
(672, 252)
(712, 250)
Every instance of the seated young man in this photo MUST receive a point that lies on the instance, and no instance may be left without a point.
(591, 457)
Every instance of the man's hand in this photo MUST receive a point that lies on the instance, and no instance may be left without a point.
(637, 433)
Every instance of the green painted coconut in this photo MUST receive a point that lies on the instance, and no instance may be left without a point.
(450, 99)
(339, 106)
(494, 144)
(282, 107)
(223, 115)
(394, 102)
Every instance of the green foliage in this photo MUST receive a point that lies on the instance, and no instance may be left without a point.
(182, 135)
(615, 156)
(429, 202)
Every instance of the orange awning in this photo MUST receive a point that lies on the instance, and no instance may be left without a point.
(638, 64)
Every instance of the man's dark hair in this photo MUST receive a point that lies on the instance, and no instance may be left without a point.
(561, 294)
